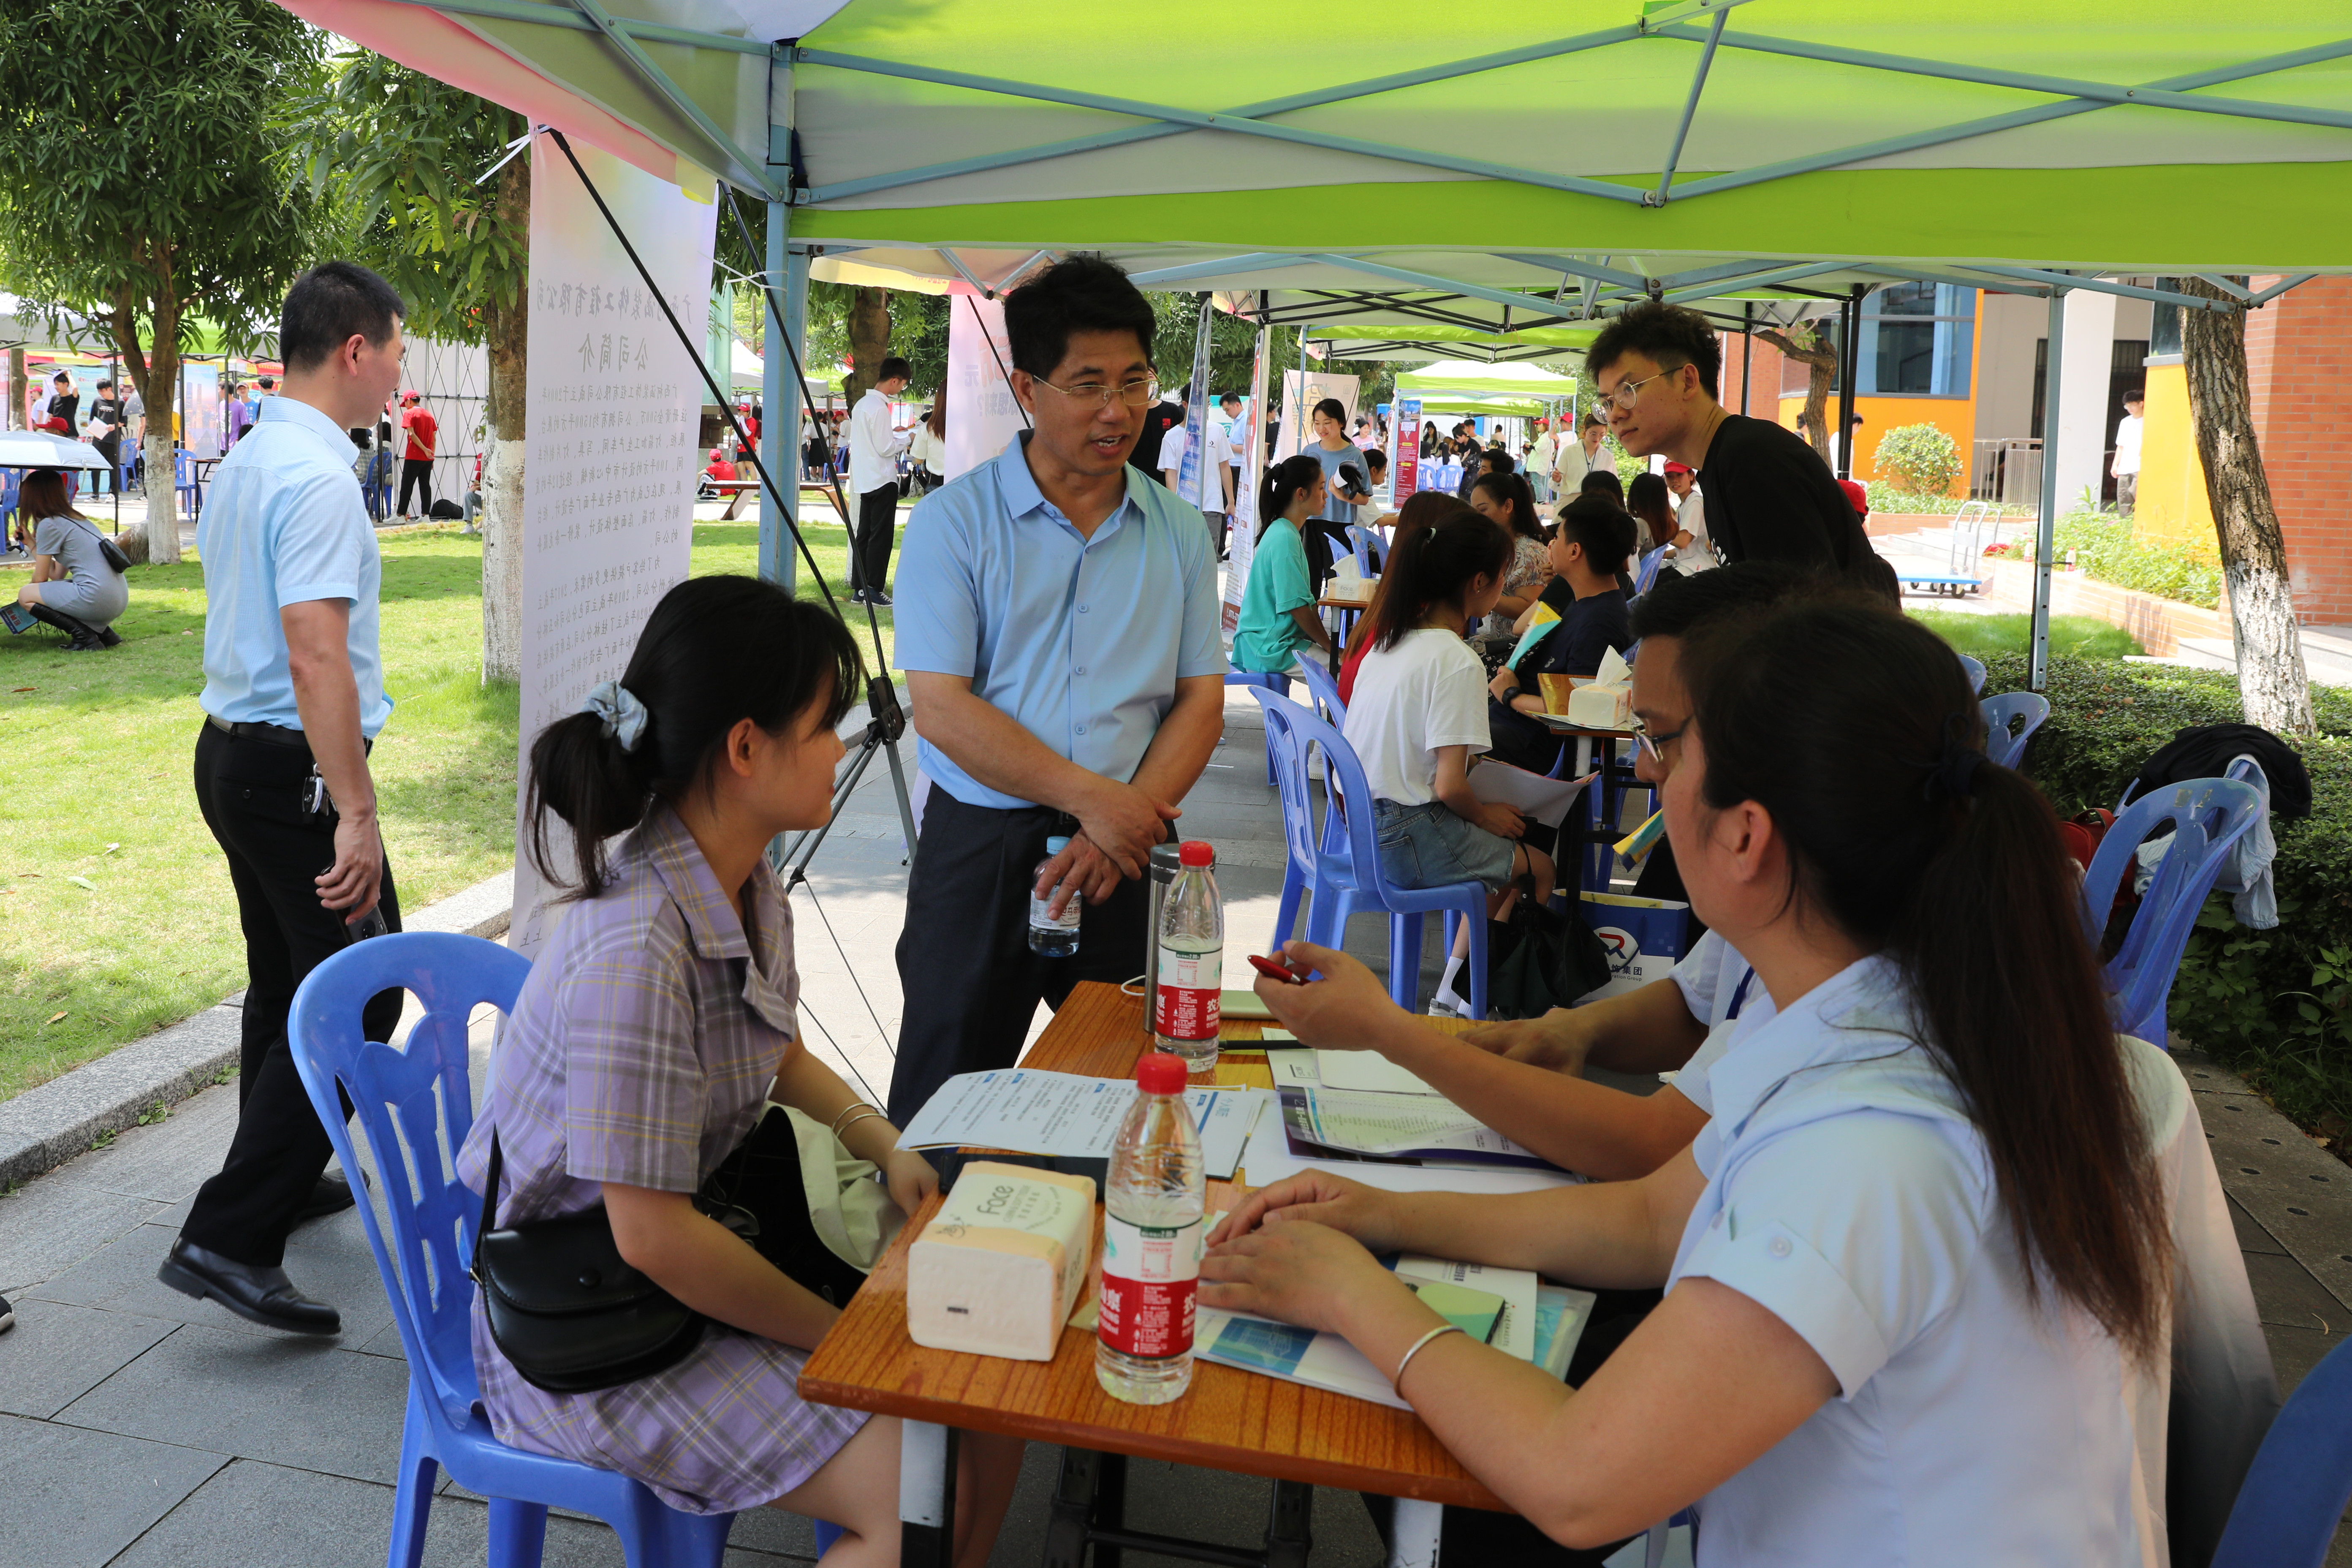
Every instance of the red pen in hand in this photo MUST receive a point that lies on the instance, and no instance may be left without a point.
(1274, 969)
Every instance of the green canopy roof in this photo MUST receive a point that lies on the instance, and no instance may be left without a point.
(1467, 378)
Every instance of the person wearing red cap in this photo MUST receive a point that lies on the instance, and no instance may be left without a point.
(416, 458)
(1693, 552)
(1858, 496)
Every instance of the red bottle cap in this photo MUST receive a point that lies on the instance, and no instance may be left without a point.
(1160, 1073)
(1197, 852)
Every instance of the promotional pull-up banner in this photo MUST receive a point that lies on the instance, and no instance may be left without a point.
(610, 453)
(984, 417)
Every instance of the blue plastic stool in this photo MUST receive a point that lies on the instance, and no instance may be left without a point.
(2002, 747)
(417, 1108)
(2295, 1492)
(2208, 817)
(1341, 863)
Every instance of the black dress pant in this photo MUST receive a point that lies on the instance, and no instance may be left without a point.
(878, 526)
(971, 985)
(250, 792)
(417, 473)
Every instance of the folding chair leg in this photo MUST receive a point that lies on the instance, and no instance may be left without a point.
(1286, 913)
(518, 1533)
(1405, 961)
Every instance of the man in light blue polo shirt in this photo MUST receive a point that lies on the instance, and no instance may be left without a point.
(1058, 622)
(293, 697)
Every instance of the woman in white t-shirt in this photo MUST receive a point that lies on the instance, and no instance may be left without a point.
(1918, 1266)
(1417, 717)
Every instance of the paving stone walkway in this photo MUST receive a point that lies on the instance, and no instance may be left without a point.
(139, 1427)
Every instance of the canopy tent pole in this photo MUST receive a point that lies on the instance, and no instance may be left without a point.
(1848, 375)
(1746, 350)
(780, 438)
(2046, 533)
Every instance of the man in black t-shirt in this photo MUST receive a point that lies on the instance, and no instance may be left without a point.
(1157, 420)
(1588, 551)
(106, 410)
(1769, 497)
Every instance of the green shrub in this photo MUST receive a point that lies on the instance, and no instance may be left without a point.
(1885, 495)
(2275, 1006)
(1923, 458)
(2105, 547)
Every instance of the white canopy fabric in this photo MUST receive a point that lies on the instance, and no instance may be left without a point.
(40, 449)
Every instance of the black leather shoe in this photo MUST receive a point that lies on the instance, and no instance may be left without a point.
(332, 1195)
(258, 1295)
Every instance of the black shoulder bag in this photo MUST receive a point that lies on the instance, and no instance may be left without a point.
(109, 551)
(573, 1316)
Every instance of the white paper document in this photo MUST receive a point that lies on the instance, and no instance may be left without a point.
(1035, 1112)
(1515, 1331)
(1367, 1070)
(1544, 800)
(1268, 1159)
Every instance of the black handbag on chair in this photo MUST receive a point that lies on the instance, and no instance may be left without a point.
(572, 1315)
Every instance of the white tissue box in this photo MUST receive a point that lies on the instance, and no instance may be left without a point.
(1599, 707)
(999, 1267)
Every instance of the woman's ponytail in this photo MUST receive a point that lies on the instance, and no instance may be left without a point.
(1282, 485)
(1908, 840)
(715, 652)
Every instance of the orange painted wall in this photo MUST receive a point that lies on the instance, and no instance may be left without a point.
(1955, 416)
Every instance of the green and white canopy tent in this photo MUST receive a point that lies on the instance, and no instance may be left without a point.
(1467, 378)
(1691, 148)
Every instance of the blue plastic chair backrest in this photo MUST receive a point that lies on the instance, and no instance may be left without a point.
(1346, 858)
(417, 1108)
(1324, 690)
(1645, 577)
(1975, 667)
(1362, 541)
(2000, 712)
(180, 470)
(2208, 817)
(2295, 1490)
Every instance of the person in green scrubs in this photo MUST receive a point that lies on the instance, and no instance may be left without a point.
(1278, 615)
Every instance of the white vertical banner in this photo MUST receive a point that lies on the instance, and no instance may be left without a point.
(1241, 537)
(1197, 479)
(982, 414)
(615, 405)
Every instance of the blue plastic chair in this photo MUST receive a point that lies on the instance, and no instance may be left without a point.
(1324, 690)
(1278, 684)
(2208, 817)
(1371, 557)
(2295, 1490)
(1645, 575)
(2002, 747)
(417, 1108)
(184, 483)
(1340, 862)
(1975, 667)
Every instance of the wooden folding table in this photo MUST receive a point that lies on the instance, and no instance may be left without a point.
(1229, 1420)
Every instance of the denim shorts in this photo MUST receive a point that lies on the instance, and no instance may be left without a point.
(1429, 847)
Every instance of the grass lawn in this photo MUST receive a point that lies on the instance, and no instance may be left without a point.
(100, 748)
(2071, 637)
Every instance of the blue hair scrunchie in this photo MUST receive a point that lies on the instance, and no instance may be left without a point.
(625, 717)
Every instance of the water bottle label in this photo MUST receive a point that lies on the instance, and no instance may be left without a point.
(1185, 1003)
(1149, 1275)
(1041, 914)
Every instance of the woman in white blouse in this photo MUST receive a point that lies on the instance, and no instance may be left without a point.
(1914, 1261)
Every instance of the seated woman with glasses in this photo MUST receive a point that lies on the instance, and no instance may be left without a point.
(1911, 1308)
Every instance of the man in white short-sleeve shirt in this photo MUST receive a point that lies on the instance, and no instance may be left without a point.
(293, 699)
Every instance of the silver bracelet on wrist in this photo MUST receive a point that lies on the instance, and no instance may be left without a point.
(861, 1116)
(845, 1110)
(1439, 1332)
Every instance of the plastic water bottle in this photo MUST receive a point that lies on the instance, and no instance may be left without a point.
(1185, 1013)
(1154, 1225)
(1048, 936)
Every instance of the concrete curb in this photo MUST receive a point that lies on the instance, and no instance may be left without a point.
(45, 1127)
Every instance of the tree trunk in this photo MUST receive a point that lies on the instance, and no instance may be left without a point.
(2272, 681)
(20, 390)
(869, 341)
(509, 327)
(157, 373)
(1820, 358)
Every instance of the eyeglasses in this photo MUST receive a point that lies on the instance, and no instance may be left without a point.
(1135, 393)
(1629, 392)
(1657, 744)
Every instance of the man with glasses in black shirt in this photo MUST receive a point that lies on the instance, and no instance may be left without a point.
(1769, 497)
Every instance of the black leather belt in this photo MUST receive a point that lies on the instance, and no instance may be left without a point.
(275, 734)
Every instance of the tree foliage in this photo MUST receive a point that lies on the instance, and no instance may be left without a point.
(396, 154)
(144, 163)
